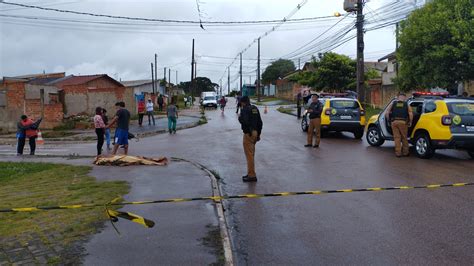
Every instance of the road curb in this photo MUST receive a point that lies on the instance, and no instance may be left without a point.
(223, 225)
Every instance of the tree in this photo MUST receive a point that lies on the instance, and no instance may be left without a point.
(333, 72)
(277, 69)
(437, 45)
(200, 84)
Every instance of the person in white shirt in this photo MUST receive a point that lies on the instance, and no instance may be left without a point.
(149, 112)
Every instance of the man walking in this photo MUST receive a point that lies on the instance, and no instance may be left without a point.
(172, 114)
(160, 103)
(122, 118)
(401, 116)
(149, 111)
(315, 109)
(252, 128)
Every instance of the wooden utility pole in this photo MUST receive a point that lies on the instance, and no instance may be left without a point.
(240, 72)
(258, 72)
(360, 51)
(166, 82)
(152, 78)
(220, 86)
(155, 87)
(228, 80)
(192, 74)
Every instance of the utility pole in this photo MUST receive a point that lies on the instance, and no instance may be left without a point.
(240, 72)
(228, 80)
(397, 44)
(169, 75)
(176, 81)
(360, 51)
(152, 78)
(258, 72)
(164, 77)
(192, 75)
(220, 87)
(155, 87)
(195, 69)
(299, 63)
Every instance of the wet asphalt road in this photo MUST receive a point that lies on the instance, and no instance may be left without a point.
(388, 227)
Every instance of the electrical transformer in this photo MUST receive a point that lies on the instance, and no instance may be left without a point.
(350, 5)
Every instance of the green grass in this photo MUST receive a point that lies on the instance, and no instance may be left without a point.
(285, 110)
(369, 111)
(38, 184)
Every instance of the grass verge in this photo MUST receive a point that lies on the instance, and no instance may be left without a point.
(370, 111)
(38, 184)
(285, 110)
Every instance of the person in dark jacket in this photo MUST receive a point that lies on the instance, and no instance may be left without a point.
(315, 109)
(401, 116)
(252, 128)
(27, 128)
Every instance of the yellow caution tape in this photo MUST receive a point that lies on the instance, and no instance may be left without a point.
(136, 218)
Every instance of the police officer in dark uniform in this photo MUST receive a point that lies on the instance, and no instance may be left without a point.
(400, 115)
(315, 109)
(298, 105)
(252, 127)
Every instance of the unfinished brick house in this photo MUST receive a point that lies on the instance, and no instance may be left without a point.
(30, 95)
(82, 94)
(54, 96)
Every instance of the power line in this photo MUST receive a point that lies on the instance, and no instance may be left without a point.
(286, 19)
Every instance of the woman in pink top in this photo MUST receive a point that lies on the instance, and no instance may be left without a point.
(99, 129)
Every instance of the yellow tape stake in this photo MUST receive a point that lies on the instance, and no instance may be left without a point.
(131, 217)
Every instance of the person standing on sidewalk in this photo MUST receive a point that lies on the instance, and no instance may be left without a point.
(401, 116)
(222, 103)
(141, 112)
(238, 102)
(149, 111)
(122, 118)
(99, 125)
(315, 109)
(298, 105)
(252, 128)
(160, 103)
(27, 128)
(172, 114)
(105, 118)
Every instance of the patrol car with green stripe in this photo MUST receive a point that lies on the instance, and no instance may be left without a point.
(439, 122)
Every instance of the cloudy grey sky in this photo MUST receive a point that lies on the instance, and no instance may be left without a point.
(125, 49)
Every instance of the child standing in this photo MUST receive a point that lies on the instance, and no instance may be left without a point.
(172, 113)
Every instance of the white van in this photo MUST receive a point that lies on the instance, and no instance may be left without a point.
(209, 99)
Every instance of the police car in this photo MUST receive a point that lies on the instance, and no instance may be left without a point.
(340, 113)
(439, 122)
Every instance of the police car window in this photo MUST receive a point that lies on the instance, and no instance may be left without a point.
(344, 104)
(461, 108)
(416, 107)
(430, 107)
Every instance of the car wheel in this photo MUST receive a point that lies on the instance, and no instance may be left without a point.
(423, 146)
(304, 124)
(358, 134)
(373, 136)
(471, 153)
